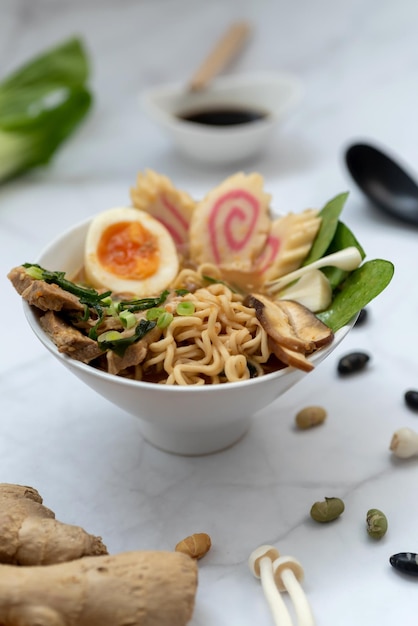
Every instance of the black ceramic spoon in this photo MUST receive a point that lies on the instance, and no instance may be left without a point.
(384, 182)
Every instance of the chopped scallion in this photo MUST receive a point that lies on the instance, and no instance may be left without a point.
(113, 308)
(164, 320)
(218, 281)
(128, 319)
(144, 303)
(154, 313)
(185, 308)
(34, 271)
(110, 335)
(118, 343)
(86, 295)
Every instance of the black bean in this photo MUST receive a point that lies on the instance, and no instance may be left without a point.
(406, 562)
(362, 318)
(411, 399)
(353, 362)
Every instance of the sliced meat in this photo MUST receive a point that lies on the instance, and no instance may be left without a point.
(290, 357)
(134, 354)
(108, 323)
(50, 297)
(43, 295)
(68, 339)
(20, 279)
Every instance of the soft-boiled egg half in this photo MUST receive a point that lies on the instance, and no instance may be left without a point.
(129, 252)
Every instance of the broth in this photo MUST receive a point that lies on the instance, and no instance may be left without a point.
(223, 116)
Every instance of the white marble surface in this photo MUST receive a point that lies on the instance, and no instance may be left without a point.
(358, 62)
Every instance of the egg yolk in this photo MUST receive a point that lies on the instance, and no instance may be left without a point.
(128, 249)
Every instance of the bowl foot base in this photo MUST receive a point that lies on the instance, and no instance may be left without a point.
(195, 443)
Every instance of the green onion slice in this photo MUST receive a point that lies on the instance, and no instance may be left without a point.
(154, 313)
(185, 308)
(110, 335)
(120, 344)
(217, 281)
(164, 319)
(87, 295)
(144, 303)
(128, 319)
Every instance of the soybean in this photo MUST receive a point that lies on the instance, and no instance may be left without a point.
(328, 510)
(310, 416)
(196, 545)
(362, 317)
(377, 523)
(405, 562)
(353, 362)
(411, 399)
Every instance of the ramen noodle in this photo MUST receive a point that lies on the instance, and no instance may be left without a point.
(214, 344)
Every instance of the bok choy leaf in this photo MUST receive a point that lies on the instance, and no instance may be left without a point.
(41, 104)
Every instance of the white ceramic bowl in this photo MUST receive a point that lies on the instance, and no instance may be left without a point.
(276, 94)
(182, 420)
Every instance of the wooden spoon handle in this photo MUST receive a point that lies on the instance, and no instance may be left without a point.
(226, 48)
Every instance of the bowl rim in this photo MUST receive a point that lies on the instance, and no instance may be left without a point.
(32, 318)
(220, 85)
(229, 81)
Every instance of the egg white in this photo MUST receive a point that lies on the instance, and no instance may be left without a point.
(100, 278)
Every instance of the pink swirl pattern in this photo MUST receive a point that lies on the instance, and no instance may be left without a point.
(223, 222)
(269, 253)
(173, 220)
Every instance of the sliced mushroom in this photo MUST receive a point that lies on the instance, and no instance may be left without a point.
(293, 330)
(305, 324)
(276, 323)
(290, 357)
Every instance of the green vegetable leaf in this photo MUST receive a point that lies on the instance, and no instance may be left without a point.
(343, 238)
(217, 281)
(91, 298)
(41, 104)
(361, 286)
(63, 64)
(329, 221)
(144, 303)
(87, 295)
(120, 345)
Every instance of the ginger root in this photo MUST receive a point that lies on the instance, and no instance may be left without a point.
(140, 588)
(30, 534)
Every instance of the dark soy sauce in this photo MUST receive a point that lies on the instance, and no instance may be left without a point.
(223, 116)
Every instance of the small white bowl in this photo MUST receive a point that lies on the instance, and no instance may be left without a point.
(271, 93)
(183, 420)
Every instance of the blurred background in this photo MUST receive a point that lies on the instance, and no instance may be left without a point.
(354, 59)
